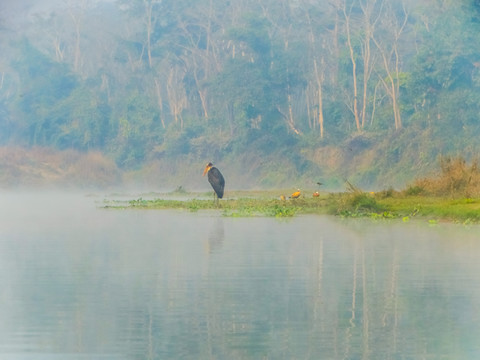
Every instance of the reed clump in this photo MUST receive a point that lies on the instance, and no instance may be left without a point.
(355, 202)
(456, 179)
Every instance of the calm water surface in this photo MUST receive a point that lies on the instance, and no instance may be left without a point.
(79, 282)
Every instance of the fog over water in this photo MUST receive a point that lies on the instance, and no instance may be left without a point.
(80, 281)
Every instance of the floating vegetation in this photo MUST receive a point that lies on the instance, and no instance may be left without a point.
(275, 210)
(241, 207)
(356, 204)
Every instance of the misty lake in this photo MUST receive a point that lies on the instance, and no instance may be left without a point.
(82, 282)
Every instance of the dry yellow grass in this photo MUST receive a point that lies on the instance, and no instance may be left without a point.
(40, 166)
(455, 179)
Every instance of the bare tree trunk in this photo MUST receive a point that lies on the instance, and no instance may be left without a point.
(59, 53)
(333, 39)
(76, 50)
(288, 117)
(311, 124)
(149, 24)
(231, 117)
(391, 64)
(369, 25)
(374, 103)
(354, 67)
(195, 55)
(392, 88)
(318, 79)
(396, 94)
(320, 98)
(202, 93)
(106, 87)
(160, 101)
(176, 95)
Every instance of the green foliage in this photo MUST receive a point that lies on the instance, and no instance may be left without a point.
(443, 79)
(414, 190)
(82, 119)
(44, 86)
(254, 34)
(360, 203)
(137, 130)
(242, 207)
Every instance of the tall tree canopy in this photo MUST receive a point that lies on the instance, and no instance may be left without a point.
(149, 79)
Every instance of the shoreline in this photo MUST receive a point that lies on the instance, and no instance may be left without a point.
(357, 204)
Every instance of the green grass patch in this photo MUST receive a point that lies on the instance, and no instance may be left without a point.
(245, 206)
(457, 210)
(381, 205)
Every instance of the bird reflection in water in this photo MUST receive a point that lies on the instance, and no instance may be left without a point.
(216, 236)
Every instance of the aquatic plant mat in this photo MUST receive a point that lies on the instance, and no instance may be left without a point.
(387, 204)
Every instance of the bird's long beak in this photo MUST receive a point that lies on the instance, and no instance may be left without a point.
(206, 170)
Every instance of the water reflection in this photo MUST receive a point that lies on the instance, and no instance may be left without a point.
(80, 282)
(216, 236)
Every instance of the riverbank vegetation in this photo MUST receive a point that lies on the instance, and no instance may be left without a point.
(451, 195)
(396, 205)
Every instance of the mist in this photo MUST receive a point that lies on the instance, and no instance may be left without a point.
(81, 281)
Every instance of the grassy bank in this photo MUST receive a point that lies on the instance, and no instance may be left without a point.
(453, 194)
(237, 203)
(397, 205)
(382, 205)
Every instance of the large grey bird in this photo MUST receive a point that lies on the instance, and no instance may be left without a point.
(215, 178)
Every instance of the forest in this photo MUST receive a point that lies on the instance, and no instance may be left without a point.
(273, 92)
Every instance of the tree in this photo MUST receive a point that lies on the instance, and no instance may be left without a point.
(137, 131)
(347, 13)
(360, 22)
(395, 20)
(444, 71)
(44, 85)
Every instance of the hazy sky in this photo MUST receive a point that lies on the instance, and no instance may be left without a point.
(16, 8)
(14, 11)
